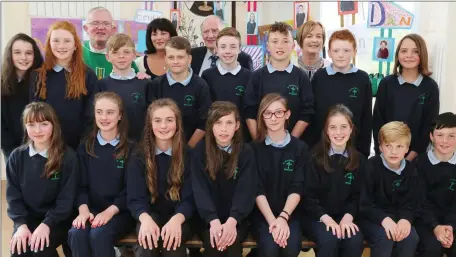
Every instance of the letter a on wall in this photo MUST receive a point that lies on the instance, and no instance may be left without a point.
(388, 15)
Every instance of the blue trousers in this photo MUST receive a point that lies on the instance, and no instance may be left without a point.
(328, 245)
(429, 246)
(266, 245)
(381, 246)
(99, 242)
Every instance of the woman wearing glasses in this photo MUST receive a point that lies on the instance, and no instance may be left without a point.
(280, 161)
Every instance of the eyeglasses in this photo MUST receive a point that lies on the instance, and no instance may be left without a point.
(104, 24)
(277, 114)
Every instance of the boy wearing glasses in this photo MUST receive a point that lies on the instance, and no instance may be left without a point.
(100, 28)
(280, 76)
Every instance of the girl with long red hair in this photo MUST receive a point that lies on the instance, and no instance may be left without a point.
(65, 82)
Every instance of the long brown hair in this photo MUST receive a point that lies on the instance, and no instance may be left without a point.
(9, 76)
(122, 148)
(264, 104)
(75, 80)
(423, 67)
(40, 112)
(148, 145)
(323, 147)
(214, 155)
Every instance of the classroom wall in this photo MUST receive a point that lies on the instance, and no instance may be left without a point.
(434, 24)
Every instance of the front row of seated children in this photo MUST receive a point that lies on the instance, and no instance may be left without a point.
(332, 194)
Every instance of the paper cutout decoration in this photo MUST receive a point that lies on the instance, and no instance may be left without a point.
(383, 49)
(388, 15)
(347, 7)
(146, 16)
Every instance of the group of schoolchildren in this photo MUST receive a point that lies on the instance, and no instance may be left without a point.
(269, 152)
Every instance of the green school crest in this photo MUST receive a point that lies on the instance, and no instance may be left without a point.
(349, 177)
(293, 90)
(100, 72)
(188, 100)
(240, 90)
(422, 98)
(136, 96)
(235, 173)
(288, 165)
(396, 184)
(55, 176)
(353, 92)
(452, 184)
(120, 163)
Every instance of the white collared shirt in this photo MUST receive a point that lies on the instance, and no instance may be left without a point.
(332, 152)
(330, 69)
(185, 82)
(271, 69)
(434, 161)
(207, 62)
(113, 142)
(398, 171)
(285, 142)
(168, 152)
(58, 68)
(129, 76)
(234, 71)
(227, 148)
(33, 152)
(417, 82)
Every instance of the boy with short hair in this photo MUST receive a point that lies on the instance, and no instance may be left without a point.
(437, 169)
(281, 76)
(228, 80)
(390, 195)
(187, 89)
(136, 94)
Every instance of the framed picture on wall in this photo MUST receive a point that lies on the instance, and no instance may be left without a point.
(383, 49)
(301, 13)
(347, 7)
(252, 23)
(174, 16)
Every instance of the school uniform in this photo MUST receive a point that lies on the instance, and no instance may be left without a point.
(224, 197)
(334, 193)
(33, 199)
(438, 203)
(191, 95)
(292, 83)
(352, 89)
(75, 115)
(280, 173)
(386, 192)
(103, 184)
(416, 104)
(229, 86)
(12, 107)
(136, 96)
(163, 209)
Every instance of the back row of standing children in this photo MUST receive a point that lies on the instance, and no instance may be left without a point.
(308, 103)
